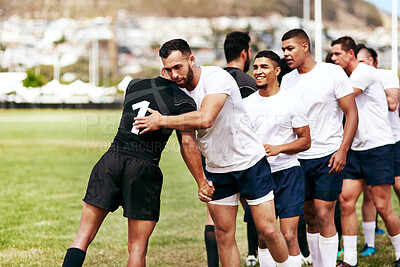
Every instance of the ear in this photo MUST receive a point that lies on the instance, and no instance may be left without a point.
(277, 71)
(305, 46)
(192, 60)
(352, 53)
(243, 54)
(371, 61)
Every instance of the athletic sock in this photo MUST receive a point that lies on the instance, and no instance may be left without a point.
(396, 244)
(350, 249)
(369, 233)
(328, 247)
(252, 238)
(295, 261)
(301, 236)
(265, 258)
(313, 244)
(74, 257)
(286, 263)
(211, 246)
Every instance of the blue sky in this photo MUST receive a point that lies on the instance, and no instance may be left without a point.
(385, 5)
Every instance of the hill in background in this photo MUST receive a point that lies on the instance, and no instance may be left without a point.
(337, 12)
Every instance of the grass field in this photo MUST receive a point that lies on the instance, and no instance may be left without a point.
(45, 160)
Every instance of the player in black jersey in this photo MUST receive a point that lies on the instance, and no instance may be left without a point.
(238, 53)
(128, 175)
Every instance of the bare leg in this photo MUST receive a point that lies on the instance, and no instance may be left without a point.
(351, 191)
(381, 195)
(225, 226)
(368, 206)
(265, 221)
(91, 219)
(289, 231)
(396, 186)
(138, 239)
(325, 213)
(211, 242)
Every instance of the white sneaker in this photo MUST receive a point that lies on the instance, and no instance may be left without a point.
(251, 260)
(306, 261)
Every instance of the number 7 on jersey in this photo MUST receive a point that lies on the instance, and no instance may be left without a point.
(142, 106)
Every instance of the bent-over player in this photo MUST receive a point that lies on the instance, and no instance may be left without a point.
(128, 174)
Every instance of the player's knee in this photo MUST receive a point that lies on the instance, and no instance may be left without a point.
(383, 208)
(269, 232)
(224, 234)
(346, 207)
(137, 248)
(290, 237)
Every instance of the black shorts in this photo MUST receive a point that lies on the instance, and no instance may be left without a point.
(119, 179)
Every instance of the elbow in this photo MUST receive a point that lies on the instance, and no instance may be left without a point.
(307, 144)
(207, 122)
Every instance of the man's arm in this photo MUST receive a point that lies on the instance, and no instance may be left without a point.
(349, 108)
(357, 91)
(191, 155)
(302, 143)
(200, 119)
(392, 97)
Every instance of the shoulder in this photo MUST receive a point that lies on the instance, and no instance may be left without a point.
(215, 71)
(216, 77)
(364, 71)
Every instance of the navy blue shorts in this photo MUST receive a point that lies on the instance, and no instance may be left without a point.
(289, 194)
(119, 179)
(253, 183)
(397, 159)
(319, 183)
(374, 165)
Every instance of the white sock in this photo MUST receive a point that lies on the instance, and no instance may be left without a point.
(369, 233)
(350, 249)
(265, 258)
(295, 260)
(313, 245)
(396, 244)
(328, 247)
(286, 263)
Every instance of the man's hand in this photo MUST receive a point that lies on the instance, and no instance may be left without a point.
(271, 150)
(337, 161)
(206, 191)
(149, 123)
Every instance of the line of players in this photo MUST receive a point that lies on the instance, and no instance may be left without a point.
(298, 126)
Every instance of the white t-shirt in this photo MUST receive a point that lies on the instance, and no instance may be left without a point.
(391, 80)
(320, 89)
(373, 121)
(273, 119)
(230, 144)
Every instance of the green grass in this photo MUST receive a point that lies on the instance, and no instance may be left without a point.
(45, 160)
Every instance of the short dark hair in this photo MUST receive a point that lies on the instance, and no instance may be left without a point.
(271, 55)
(285, 69)
(234, 44)
(347, 43)
(299, 33)
(372, 53)
(173, 45)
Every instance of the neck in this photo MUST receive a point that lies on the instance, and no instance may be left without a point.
(196, 78)
(236, 64)
(269, 90)
(307, 66)
(351, 67)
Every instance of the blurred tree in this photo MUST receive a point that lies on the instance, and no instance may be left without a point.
(32, 80)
